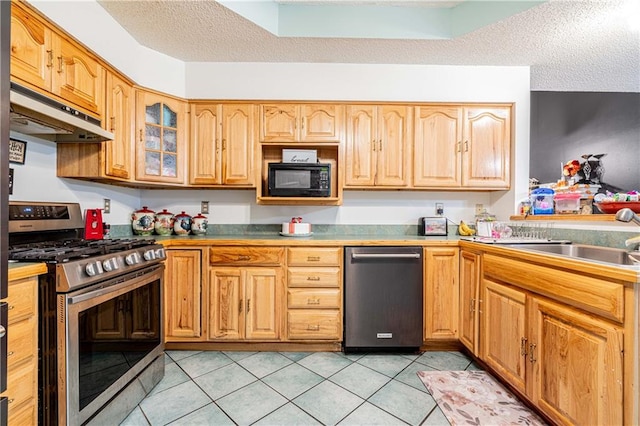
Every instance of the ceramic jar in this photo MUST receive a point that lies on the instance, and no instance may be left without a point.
(182, 224)
(142, 221)
(164, 222)
(199, 224)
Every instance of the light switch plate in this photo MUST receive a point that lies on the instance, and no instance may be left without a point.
(106, 208)
(204, 207)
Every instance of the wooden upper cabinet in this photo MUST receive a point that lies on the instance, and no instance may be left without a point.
(300, 123)
(47, 61)
(221, 144)
(31, 49)
(487, 147)
(161, 129)
(437, 146)
(238, 137)
(377, 145)
(462, 147)
(119, 120)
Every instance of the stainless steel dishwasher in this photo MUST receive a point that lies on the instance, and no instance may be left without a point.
(383, 298)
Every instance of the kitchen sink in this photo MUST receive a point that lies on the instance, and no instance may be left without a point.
(613, 256)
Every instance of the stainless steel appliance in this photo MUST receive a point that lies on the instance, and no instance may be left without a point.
(299, 179)
(35, 114)
(100, 324)
(383, 298)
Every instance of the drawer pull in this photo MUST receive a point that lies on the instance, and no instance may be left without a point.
(313, 327)
(313, 258)
(248, 305)
(532, 348)
(11, 400)
(313, 278)
(523, 346)
(315, 301)
(243, 257)
(12, 307)
(240, 306)
(10, 353)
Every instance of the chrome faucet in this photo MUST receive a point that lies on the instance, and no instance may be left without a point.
(627, 215)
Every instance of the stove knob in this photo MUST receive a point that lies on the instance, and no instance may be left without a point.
(110, 264)
(160, 253)
(93, 269)
(132, 259)
(149, 255)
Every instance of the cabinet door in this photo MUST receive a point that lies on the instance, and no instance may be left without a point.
(238, 136)
(119, 120)
(437, 145)
(469, 303)
(160, 128)
(182, 289)
(441, 293)
(78, 76)
(320, 123)
(572, 350)
(278, 123)
(487, 147)
(226, 310)
(392, 154)
(361, 145)
(263, 288)
(205, 165)
(504, 345)
(31, 54)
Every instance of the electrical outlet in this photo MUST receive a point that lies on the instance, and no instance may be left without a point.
(439, 209)
(204, 207)
(106, 208)
(479, 208)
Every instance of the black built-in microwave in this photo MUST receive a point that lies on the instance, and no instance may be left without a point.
(299, 180)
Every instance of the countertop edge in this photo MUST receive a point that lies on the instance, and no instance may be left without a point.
(18, 271)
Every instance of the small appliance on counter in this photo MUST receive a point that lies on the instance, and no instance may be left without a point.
(428, 226)
(93, 226)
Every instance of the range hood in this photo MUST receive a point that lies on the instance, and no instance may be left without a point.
(34, 114)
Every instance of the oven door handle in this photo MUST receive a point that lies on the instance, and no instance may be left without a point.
(121, 282)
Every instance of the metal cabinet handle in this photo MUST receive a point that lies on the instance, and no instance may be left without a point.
(385, 255)
(471, 303)
(60, 61)
(49, 58)
(240, 306)
(141, 135)
(224, 144)
(523, 346)
(313, 258)
(113, 124)
(532, 348)
(313, 278)
(313, 327)
(466, 146)
(243, 257)
(459, 146)
(312, 301)
(380, 143)
(303, 122)
(373, 144)
(248, 305)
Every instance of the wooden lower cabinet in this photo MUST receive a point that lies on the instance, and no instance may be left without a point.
(22, 352)
(182, 294)
(554, 355)
(470, 301)
(314, 293)
(441, 293)
(244, 303)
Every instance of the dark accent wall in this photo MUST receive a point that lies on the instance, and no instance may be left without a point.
(566, 125)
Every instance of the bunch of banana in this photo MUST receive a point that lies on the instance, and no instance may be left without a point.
(463, 229)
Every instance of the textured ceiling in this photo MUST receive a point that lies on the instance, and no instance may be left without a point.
(570, 45)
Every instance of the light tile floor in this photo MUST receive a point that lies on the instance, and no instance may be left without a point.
(295, 388)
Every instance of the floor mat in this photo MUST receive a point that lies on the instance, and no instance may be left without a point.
(476, 398)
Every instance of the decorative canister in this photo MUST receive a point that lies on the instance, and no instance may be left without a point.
(182, 224)
(164, 222)
(142, 221)
(199, 224)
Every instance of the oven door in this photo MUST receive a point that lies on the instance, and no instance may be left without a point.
(107, 334)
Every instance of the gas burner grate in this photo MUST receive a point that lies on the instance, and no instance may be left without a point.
(73, 249)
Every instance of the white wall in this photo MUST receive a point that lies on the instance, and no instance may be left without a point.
(88, 22)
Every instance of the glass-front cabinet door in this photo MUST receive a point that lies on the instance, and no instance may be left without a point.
(161, 131)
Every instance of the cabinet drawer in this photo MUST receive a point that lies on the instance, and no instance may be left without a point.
(313, 298)
(21, 385)
(322, 256)
(313, 277)
(246, 255)
(22, 299)
(23, 415)
(22, 341)
(309, 324)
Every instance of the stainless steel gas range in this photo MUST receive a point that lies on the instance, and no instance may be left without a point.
(100, 324)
